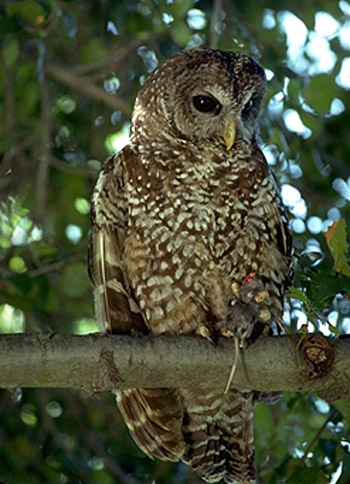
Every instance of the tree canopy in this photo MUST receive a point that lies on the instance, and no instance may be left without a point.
(70, 71)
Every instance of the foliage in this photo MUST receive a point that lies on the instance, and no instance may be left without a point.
(70, 72)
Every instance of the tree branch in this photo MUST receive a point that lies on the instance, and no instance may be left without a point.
(82, 84)
(99, 362)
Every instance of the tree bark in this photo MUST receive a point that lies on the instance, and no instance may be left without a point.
(98, 362)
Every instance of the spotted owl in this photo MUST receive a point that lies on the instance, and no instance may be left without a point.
(189, 236)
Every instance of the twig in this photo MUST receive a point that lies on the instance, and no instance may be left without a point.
(96, 445)
(9, 103)
(73, 170)
(82, 84)
(111, 61)
(61, 442)
(56, 266)
(317, 435)
(215, 19)
(43, 168)
(337, 165)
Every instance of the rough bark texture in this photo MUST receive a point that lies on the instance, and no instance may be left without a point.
(103, 362)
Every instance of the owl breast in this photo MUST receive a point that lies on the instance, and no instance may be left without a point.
(191, 235)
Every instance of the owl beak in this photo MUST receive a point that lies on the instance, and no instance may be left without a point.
(229, 134)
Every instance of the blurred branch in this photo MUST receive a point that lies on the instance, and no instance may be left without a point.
(73, 170)
(59, 437)
(315, 196)
(9, 102)
(317, 435)
(99, 362)
(43, 168)
(56, 266)
(83, 85)
(95, 443)
(215, 19)
(339, 166)
(111, 61)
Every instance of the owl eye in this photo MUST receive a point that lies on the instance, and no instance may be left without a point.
(249, 106)
(206, 104)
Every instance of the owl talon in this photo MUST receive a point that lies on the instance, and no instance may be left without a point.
(204, 332)
(264, 315)
(226, 333)
(261, 296)
(235, 289)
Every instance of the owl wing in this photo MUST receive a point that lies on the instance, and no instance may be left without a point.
(154, 416)
(284, 235)
(115, 306)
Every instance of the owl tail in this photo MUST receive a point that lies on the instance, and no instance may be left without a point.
(154, 419)
(219, 435)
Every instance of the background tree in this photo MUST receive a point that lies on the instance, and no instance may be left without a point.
(69, 74)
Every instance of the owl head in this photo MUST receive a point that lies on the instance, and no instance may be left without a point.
(208, 97)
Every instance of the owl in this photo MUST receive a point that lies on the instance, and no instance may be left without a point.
(189, 236)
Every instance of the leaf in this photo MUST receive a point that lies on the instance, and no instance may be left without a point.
(337, 243)
(180, 32)
(298, 294)
(320, 93)
(312, 121)
(28, 9)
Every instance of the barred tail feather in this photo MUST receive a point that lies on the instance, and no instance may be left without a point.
(219, 435)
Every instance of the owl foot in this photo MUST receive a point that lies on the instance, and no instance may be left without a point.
(246, 308)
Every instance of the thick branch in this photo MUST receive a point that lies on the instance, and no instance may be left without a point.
(103, 362)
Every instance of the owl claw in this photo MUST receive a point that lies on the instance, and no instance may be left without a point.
(264, 315)
(235, 289)
(204, 332)
(245, 309)
(261, 296)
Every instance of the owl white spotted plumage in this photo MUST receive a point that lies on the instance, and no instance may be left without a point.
(189, 236)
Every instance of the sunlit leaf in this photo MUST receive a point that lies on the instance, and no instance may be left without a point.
(338, 245)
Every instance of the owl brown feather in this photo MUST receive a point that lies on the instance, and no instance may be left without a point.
(189, 236)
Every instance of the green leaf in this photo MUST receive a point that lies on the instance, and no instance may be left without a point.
(294, 90)
(11, 50)
(29, 9)
(180, 32)
(298, 294)
(320, 93)
(312, 121)
(17, 264)
(179, 9)
(337, 243)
